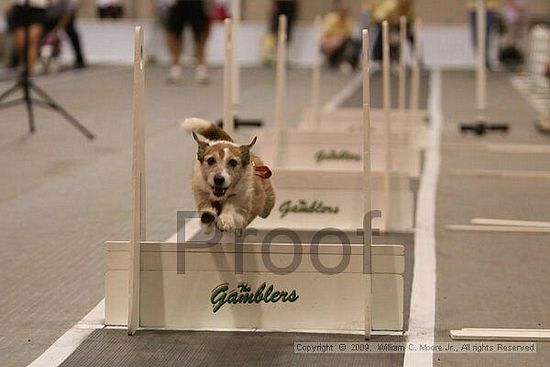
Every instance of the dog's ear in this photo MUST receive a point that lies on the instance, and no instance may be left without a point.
(245, 151)
(202, 146)
(249, 146)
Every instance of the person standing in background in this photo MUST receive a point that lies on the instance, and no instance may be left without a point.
(392, 11)
(180, 14)
(337, 42)
(61, 16)
(33, 17)
(109, 9)
(288, 8)
(492, 7)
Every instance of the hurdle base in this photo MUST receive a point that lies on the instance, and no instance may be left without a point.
(481, 127)
(238, 123)
(543, 125)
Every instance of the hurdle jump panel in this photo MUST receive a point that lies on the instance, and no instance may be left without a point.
(325, 303)
(340, 151)
(314, 199)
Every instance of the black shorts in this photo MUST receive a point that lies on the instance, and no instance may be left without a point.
(22, 16)
(185, 12)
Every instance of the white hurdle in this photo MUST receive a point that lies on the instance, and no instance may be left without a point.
(401, 106)
(306, 174)
(156, 285)
(415, 75)
(228, 76)
(387, 121)
(138, 186)
(236, 65)
(316, 74)
(280, 85)
(481, 68)
(367, 205)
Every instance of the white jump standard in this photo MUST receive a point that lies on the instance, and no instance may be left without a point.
(209, 290)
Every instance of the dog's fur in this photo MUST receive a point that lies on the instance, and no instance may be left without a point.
(239, 195)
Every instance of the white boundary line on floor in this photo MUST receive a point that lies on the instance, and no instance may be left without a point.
(345, 93)
(63, 347)
(422, 314)
(68, 342)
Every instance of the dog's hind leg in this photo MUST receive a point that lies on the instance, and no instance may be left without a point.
(269, 199)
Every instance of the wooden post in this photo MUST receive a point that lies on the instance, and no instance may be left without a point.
(481, 74)
(415, 82)
(387, 122)
(138, 187)
(236, 83)
(402, 63)
(316, 77)
(280, 85)
(367, 237)
(228, 123)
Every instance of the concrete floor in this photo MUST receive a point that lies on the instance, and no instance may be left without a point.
(490, 279)
(63, 197)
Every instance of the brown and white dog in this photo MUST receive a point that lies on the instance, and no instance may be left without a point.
(231, 185)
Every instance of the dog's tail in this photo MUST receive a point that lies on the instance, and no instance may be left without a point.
(206, 129)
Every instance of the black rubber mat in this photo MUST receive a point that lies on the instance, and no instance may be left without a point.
(229, 349)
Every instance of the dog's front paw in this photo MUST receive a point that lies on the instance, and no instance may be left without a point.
(229, 223)
(208, 218)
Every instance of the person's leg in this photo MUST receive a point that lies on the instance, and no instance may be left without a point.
(175, 46)
(174, 39)
(35, 35)
(72, 33)
(473, 28)
(491, 17)
(377, 50)
(200, 25)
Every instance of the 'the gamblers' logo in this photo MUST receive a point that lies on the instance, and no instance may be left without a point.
(244, 295)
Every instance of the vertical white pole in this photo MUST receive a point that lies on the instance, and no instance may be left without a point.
(138, 187)
(280, 85)
(227, 79)
(316, 77)
(415, 82)
(402, 65)
(367, 238)
(481, 80)
(236, 83)
(387, 122)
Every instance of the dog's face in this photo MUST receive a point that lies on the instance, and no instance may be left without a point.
(223, 164)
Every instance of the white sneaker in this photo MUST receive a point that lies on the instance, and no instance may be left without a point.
(174, 75)
(201, 74)
(346, 68)
(38, 68)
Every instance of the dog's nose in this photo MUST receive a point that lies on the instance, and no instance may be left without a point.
(219, 180)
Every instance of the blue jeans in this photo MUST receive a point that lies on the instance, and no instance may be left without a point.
(491, 16)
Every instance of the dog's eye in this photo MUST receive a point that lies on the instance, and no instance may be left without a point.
(233, 163)
(211, 161)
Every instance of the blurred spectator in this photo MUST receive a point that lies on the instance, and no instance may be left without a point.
(109, 9)
(180, 14)
(515, 19)
(492, 7)
(337, 41)
(61, 16)
(392, 11)
(510, 53)
(288, 8)
(32, 16)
